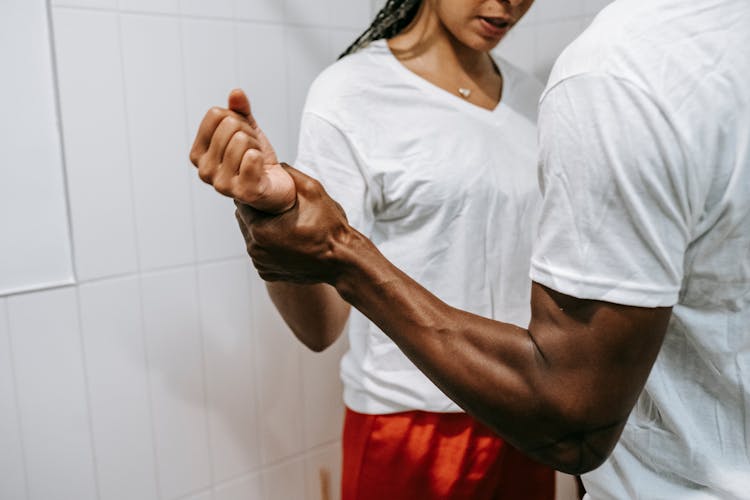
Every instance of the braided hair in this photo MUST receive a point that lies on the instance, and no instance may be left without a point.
(390, 21)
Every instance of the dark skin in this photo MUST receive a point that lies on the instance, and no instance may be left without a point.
(560, 390)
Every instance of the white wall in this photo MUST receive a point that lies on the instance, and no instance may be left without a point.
(32, 190)
(165, 373)
(545, 30)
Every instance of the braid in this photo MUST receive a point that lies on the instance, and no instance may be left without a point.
(390, 21)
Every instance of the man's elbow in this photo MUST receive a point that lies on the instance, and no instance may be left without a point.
(573, 457)
(579, 451)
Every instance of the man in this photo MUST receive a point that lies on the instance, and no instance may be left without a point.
(643, 250)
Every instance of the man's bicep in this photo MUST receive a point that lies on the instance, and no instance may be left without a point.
(601, 355)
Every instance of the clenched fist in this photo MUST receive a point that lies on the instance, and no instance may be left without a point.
(234, 156)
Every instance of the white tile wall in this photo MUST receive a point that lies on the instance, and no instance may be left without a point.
(229, 348)
(245, 488)
(259, 10)
(117, 376)
(286, 480)
(52, 397)
(155, 104)
(210, 73)
(95, 140)
(556, 35)
(553, 10)
(166, 372)
(261, 68)
(321, 382)
(519, 47)
(307, 51)
(304, 12)
(203, 8)
(12, 470)
(278, 359)
(349, 14)
(174, 348)
(101, 4)
(161, 6)
(323, 472)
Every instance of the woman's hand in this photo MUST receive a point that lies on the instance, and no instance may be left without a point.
(234, 156)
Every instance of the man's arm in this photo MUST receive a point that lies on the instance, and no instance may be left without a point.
(615, 225)
(560, 390)
(315, 313)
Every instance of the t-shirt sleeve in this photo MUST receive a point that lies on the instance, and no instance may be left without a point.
(326, 153)
(616, 214)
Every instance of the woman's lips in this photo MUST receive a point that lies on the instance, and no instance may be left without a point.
(495, 26)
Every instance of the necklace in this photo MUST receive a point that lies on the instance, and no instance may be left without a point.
(465, 93)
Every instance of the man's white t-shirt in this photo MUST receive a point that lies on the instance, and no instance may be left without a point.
(645, 170)
(448, 191)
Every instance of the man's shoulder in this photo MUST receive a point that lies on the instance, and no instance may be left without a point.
(660, 46)
(605, 39)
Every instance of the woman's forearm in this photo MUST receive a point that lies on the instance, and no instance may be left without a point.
(316, 314)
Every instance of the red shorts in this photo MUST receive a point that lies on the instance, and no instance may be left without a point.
(435, 456)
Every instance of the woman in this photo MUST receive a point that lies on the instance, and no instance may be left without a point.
(428, 143)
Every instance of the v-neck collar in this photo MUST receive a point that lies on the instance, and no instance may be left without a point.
(445, 95)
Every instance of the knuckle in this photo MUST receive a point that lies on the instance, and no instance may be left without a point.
(241, 137)
(206, 175)
(231, 122)
(194, 157)
(215, 112)
(253, 155)
(222, 186)
(312, 185)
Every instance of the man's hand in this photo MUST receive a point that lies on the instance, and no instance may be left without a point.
(234, 156)
(302, 244)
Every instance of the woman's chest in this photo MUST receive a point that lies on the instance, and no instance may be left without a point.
(429, 167)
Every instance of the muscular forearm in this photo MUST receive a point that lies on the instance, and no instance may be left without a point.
(560, 390)
(315, 313)
(535, 387)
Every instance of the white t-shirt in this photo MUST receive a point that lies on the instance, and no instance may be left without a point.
(645, 158)
(448, 191)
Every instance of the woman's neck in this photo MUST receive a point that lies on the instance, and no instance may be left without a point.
(426, 39)
(428, 49)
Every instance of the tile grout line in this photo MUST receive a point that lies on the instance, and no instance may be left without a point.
(139, 273)
(259, 470)
(214, 17)
(61, 138)
(129, 142)
(17, 401)
(149, 387)
(87, 391)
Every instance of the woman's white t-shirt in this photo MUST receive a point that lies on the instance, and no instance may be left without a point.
(448, 192)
